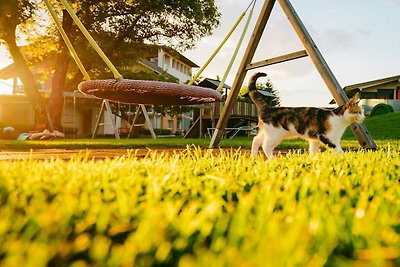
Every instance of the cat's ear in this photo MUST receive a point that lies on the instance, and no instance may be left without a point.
(353, 101)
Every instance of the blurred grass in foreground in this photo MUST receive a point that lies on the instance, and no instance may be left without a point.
(196, 208)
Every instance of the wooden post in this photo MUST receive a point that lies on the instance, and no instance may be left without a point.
(333, 85)
(201, 130)
(248, 56)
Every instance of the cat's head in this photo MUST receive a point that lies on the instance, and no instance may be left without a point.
(353, 112)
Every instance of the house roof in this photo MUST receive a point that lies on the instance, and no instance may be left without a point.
(212, 83)
(150, 65)
(366, 85)
(152, 51)
(353, 89)
(266, 93)
(10, 71)
(7, 72)
(180, 57)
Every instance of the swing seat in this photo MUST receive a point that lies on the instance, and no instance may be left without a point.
(148, 92)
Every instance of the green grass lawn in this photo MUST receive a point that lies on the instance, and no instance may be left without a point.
(384, 129)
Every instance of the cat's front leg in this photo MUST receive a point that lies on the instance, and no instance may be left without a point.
(313, 147)
(338, 149)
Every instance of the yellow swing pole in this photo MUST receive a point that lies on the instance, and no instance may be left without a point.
(66, 40)
(90, 39)
(220, 46)
(239, 44)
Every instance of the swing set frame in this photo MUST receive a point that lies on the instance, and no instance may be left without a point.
(360, 131)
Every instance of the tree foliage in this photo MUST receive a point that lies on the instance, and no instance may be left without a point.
(176, 23)
(124, 29)
(12, 14)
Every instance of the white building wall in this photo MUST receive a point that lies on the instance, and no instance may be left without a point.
(174, 67)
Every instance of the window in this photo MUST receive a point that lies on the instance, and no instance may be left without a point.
(170, 124)
(368, 95)
(385, 94)
(167, 60)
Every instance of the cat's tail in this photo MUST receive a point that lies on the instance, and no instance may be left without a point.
(255, 96)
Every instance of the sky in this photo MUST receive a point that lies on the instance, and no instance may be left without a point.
(359, 39)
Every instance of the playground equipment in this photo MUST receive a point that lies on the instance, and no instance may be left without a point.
(128, 91)
(311, 50)
(148, 92)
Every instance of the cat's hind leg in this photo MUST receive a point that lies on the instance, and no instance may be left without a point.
(257, 142)
(268, 146)
(313, 146)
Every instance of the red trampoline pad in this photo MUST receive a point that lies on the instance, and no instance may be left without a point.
(148, 92)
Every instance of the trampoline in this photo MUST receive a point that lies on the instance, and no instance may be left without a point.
(148, 92)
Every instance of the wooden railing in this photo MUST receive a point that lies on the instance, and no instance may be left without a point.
(240, 109)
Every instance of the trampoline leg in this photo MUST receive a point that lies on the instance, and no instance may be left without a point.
(148, 122)
(149, 125)
(131, 130)
(98, 120)
(105, 106)
(108, 110)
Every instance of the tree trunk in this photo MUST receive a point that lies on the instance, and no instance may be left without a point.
(56, 100)
(28, 80)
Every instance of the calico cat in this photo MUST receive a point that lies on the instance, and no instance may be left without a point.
(316, 125)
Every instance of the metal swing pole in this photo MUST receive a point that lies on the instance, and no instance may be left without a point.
(67, 41)
(222, 43)
(248, 56)
(239, 44)
(103, 56)
(107, 61)
(90, 39)
(105, 104)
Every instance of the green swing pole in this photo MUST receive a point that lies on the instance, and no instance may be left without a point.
(92, 42)
(67, 41)
(228, 69)
(221, 45)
